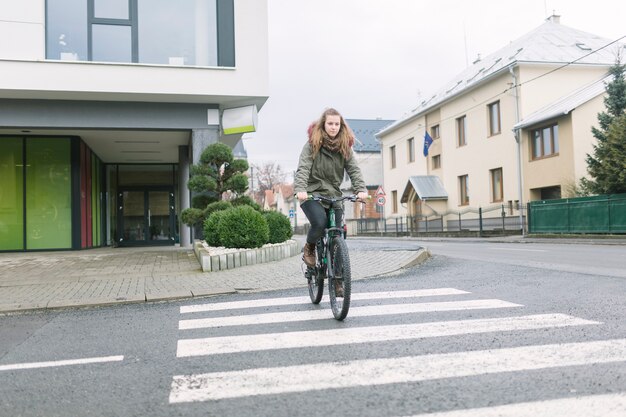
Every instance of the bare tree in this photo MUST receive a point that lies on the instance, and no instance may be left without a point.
(265, 177)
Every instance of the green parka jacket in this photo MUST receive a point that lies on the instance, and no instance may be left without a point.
(323, 174)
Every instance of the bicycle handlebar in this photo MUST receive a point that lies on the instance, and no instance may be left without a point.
(331, 200)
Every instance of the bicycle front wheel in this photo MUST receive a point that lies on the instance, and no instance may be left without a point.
(340, 285)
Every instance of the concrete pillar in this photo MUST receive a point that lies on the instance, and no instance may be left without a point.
(184, 194)
(200, 139)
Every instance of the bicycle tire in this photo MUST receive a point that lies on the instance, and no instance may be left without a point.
(340, 263)
(315, 277)
(315, 281)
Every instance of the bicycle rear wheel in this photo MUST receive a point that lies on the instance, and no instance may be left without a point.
(315, 281)
(340, 264)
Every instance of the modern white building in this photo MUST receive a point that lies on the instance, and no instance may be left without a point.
(104, 104)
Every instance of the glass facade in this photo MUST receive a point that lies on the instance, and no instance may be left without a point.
(11, 194)
(182, 32)
(48, 194)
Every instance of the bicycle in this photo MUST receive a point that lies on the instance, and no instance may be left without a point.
(333, 261)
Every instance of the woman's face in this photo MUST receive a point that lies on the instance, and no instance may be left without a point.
(332, 125)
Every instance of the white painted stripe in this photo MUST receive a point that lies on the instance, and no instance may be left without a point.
(49, 364)
(607, 405)
(521, 250)
(270, 302)
(247, 343)
(317, 314)
(368, 372)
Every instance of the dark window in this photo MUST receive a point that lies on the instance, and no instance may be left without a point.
(411, 150)
(434, 132)
(496, 185)
(545, 142)
(185, 32)
(392, 152)
(494, 118)
(463, 190)
(461, 130)
(436, 161)
(394, 201)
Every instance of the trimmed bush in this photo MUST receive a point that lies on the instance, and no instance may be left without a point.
(280, 226)
(211, 234)
(192, 216)
(242, 227)
(216, 206)
(245, 200)
(202, 200)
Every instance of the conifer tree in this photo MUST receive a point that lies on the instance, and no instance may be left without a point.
(607, 164)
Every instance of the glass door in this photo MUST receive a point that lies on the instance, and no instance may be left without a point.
(146, 217)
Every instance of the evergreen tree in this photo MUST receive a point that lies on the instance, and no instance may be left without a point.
(606, 165)
(218, 172)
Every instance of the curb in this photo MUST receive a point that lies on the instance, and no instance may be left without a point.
(216, 259)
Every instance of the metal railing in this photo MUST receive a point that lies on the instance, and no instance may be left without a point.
(482, 220)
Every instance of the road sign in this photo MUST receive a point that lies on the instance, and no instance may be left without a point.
(380, 200)
(380, 192)
(291, 213)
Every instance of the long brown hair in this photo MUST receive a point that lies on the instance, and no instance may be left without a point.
(345, 137)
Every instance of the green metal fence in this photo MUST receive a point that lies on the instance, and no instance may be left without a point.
(599, 214)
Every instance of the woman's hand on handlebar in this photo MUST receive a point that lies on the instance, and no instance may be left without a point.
(362, 196)
(302, 196)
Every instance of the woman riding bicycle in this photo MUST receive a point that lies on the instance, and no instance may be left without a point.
(323, 160)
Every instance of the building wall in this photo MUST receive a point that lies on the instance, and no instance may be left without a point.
(583, 118)
(27, 74)
(396, 179)
(22, 27)
(546, 89)
(482, 152)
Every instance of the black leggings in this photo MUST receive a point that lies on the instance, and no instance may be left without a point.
(318, 217)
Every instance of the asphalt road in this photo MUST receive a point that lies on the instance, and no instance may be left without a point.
(509, 328)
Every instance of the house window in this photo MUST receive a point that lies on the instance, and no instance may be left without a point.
(463, 190)
(392, 153)
(434, 132)
(196, 32)
(461, 129)
(394, 201)
(436, 161)
(545, 142)
(410, 150)
(494, 118)
(496, 185)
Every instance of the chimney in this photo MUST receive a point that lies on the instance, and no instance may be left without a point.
(555, 18)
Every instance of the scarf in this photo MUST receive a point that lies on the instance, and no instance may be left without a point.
(331, 144)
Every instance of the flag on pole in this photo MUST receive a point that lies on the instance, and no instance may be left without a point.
(427, 142)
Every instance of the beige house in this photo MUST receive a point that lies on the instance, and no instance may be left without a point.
(513, 127)
(281, 199)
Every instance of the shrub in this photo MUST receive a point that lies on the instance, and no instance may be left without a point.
(211, 233)
(280, 226)
(216, 206)
(192, 216)
(242, 227)
(202, 200)
(245, 200)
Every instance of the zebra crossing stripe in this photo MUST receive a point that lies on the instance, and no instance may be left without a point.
(65, 362)
(368, 372)
(321, 314)
(270, 302)
(607, 405)
(345, 336)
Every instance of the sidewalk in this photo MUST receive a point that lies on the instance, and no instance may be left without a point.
(41, 280)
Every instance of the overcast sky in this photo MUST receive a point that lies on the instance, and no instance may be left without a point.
(378, 58)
